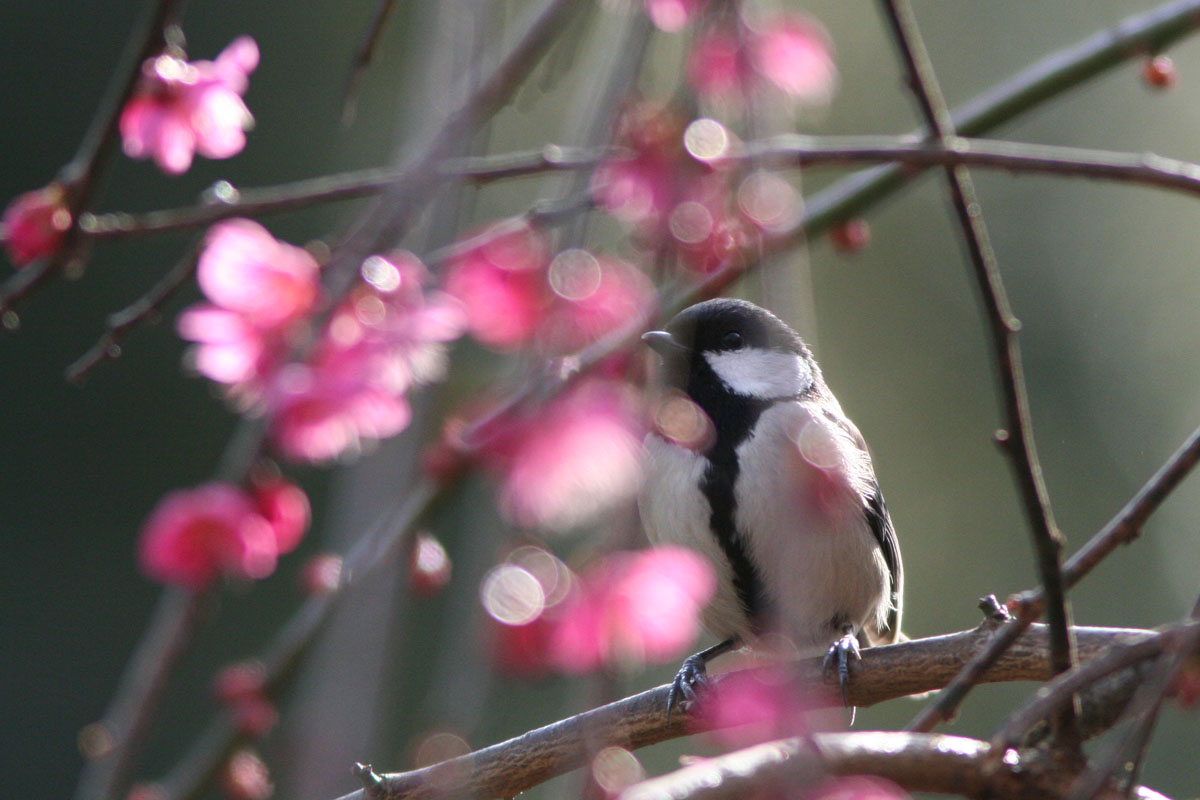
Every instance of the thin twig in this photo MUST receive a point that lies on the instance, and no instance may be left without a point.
(127, 720)
(1143, 709)
(1058, 692)
(1052, 76)
(231, 202)
(887, 672)
(80, 174)
(1019, 440)
(362, 57)
(1121, 529)
(1148, 169)
(119, 322)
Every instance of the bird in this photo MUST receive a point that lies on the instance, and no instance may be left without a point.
(751, 462)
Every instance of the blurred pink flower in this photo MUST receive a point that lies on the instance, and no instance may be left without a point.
(182, 108)
(563, 463)
(244, 269)
(34, 223)
(386, 334)
(228, 348)
(716, 66)
(595, 297)
(751, 706)
(193, 535)
(502, 284)
(793, 51)
(642, 189)
(246, 777)
(633, 609)
(258, 288)
(673, 15)
(286, 508)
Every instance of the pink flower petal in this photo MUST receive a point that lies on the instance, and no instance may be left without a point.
(795, 54)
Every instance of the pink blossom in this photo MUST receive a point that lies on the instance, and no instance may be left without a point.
(595, 297)
(428, 566)
(503, 286)
(632, 609)
(673, 15)
(259, 289)
(794, 53)
(34, 223)
(244, 269)
(388, 333)
(716, 67)
(751, 706)
(182, 108)
(286, 508)
(246, 777)
(642, 189)
(564, 463)
(193, 535)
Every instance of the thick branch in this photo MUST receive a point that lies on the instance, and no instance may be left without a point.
(885, 673)
(918, 762)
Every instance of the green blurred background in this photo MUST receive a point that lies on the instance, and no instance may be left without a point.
(1103, 277)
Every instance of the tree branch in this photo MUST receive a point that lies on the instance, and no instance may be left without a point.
(884, 673)
(917, 762)
(1123, 528)
(1050, 77)
(80, 174)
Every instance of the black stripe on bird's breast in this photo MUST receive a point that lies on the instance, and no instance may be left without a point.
(734, 419)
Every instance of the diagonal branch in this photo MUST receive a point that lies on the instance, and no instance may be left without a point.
(1122, 529)
(1019, 441)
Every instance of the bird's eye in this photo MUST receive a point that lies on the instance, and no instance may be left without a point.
(732, 341)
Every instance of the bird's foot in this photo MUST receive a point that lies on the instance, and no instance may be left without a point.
(692, 678)
(690, 681)
(838, 658)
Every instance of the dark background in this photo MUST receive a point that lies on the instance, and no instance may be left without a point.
(1103, 276)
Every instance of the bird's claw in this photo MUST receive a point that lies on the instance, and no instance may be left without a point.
(691, 679)
(838, 657)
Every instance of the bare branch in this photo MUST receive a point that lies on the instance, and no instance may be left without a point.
(1032, 87)
(1121, 529)
(885, 673)
(228, 201)
(918, 762)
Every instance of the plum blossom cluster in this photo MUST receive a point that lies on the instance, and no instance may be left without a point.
(385, 335)
(679, 190)
(181, 108)
(561, 464)
(516, 296)
(194, 536)
(790, 52)
(627, 610)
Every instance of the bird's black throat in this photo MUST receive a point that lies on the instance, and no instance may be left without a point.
(733, 417)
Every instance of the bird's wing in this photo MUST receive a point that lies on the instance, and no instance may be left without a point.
(880, 522)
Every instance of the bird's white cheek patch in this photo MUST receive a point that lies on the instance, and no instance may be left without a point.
(764, 374)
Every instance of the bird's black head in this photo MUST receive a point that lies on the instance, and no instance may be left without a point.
(728, 346)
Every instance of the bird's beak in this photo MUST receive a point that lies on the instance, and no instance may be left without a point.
(664, 344)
